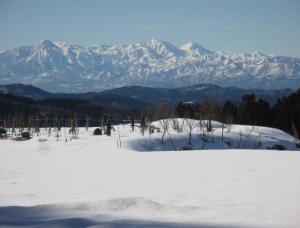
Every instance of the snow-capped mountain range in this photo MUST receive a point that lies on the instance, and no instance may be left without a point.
(64, 67)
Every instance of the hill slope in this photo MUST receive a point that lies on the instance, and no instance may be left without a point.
(137, 95)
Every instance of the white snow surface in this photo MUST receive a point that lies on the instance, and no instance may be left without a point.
(90, 181)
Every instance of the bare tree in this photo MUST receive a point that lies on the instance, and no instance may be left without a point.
(258, 142)
(165, 126)
(226, 123)
(208, 110)
(245, 136)
(56, 127)
(296, 134)
(207, 137)
(162, 113)
(229, 121)
(248, 136)
(175, 125)
(87, 123)
(132, 122)
(190, 125)
(37, 123)
(73, 127)
(143, 124)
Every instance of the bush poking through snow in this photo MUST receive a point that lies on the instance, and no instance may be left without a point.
(143, 124)
(228, 143)
(297, 143)
(190, 125)
(188, 147)
(162, 113)
(3, 133)
(277, 147)
(132, 123)
(97, 131)
(25, 135)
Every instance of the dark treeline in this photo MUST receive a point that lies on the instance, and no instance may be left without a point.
(14, 107)
(284, 114)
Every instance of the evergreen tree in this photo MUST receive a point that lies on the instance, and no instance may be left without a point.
(262, 113)
(143, 124)
(132, 123)
(37, 123)
(185, 110)
(229, 112)
(108, 127)
(247, 109)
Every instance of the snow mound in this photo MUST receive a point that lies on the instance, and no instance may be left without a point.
(222, 136)
(132, 206)
(135, 209)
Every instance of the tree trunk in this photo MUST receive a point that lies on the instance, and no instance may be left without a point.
(190, 138)
(163, 136)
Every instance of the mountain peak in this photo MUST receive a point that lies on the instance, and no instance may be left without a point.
(154, 40)
(163, 47)
(45, 43)
(62, 43)
(257, 53)
(195, 47)
(189, 45)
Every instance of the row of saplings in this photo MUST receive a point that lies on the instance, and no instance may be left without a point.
(18, 137)
(107, 127)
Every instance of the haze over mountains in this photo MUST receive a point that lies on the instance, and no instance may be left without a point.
(64, 67)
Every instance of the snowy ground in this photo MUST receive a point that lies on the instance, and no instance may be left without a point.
(90, 181)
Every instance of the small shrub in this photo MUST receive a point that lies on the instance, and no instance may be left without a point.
(2, 131)
(109, 127)
(228, 143)
(97, 131)
(277, 147)
(188, 147)
(25, 135)
(297, 143)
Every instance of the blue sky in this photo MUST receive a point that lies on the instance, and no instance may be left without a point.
(268, 26)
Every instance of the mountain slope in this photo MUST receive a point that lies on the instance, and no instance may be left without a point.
(138, 96)
(24, 91)
(195, 93)
(63, 67)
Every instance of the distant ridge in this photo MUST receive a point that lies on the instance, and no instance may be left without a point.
(138, 95)
(24, 91)
(64, 67)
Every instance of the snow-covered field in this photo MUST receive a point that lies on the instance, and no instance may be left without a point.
(91, 181)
